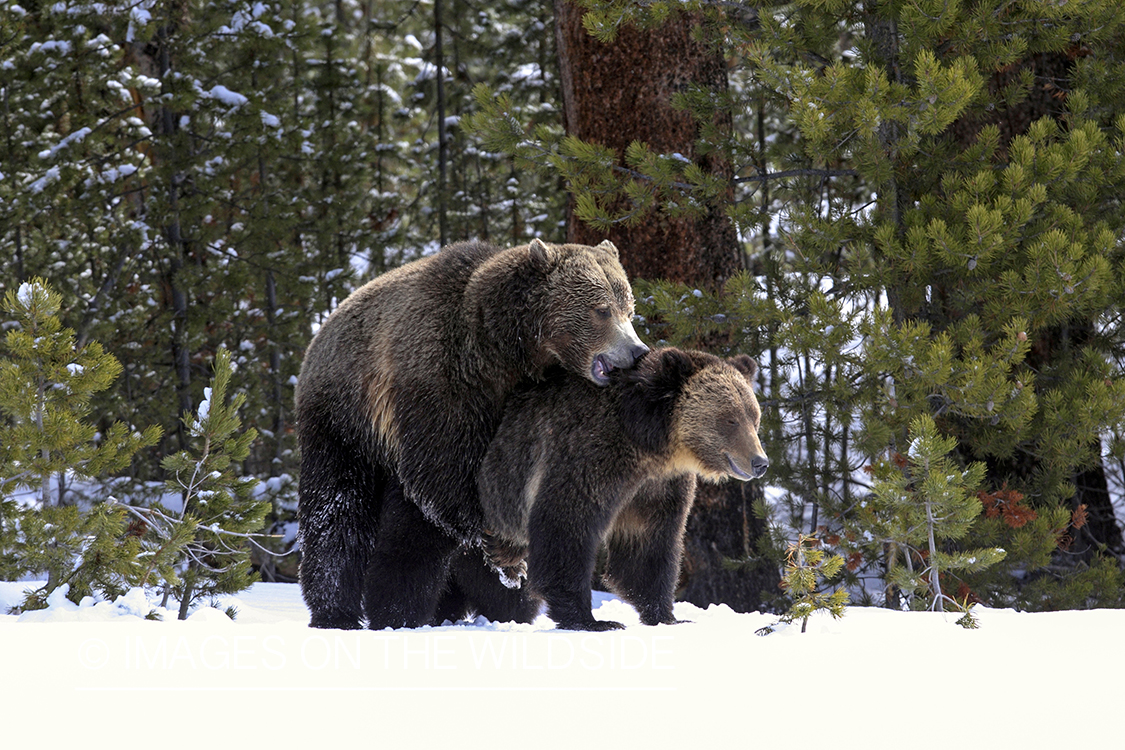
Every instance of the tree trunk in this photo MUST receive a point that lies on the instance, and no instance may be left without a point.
(617, 93)
(443, 146)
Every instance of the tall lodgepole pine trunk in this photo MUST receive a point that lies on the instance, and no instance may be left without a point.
(617, 93)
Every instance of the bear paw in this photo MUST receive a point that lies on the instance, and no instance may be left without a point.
(513, 578)
(334, 622)
(507, 558)
(666, 620)
(592, 626)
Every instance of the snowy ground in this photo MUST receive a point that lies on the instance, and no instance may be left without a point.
(102, 677)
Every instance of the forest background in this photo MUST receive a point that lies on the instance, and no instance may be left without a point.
(909, 212)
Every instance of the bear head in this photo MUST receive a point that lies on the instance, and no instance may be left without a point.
(587, 326)
(697, 409)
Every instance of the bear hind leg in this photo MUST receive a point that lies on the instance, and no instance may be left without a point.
(337, 530)
(408, 570)
(484, 594)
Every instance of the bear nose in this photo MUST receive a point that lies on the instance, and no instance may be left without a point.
(637, 351)
(758, 465)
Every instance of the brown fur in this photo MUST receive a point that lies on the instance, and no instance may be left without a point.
(400, 393)
(572, 465)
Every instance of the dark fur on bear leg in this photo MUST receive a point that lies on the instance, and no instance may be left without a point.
(560, 565)
(409, 566)
(338, 518)
(484, 594)
(643, 564)
(452, 606)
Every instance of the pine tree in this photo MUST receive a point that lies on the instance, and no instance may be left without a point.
(203, 549)
(921, 504)
(46, 386)
(935, 187)
(807, 566)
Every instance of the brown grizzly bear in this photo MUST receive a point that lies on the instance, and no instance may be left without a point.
(572, 465)
(400, 393)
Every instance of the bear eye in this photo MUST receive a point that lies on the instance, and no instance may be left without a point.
(603, 312)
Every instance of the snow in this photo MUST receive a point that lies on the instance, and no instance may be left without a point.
(230, 98)
(874, 678)
(50, 176)
(75, 137)
(204, 406)
(25, 295)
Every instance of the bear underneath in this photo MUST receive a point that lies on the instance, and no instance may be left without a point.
(573, 465)
(400, 393)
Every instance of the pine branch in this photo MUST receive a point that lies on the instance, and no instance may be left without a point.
(798, 173)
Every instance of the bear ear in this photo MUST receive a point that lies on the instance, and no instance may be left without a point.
(609, 247)
(543, 258)
(675, 368)
(744, 364)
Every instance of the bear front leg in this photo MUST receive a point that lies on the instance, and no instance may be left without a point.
(409, 567)
(564, 530)
(645, 547)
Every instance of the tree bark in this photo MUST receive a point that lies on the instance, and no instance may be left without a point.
(617, 93)
(443, 147)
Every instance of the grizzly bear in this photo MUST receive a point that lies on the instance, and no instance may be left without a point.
(572, 466)
(400, 393)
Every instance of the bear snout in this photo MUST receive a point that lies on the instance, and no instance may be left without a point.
(627, 347)
(623, 353)
(758, 466)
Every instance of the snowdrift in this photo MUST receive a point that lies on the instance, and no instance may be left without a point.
(100, 675)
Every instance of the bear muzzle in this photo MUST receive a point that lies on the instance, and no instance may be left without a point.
(758, 466)
(624, 353)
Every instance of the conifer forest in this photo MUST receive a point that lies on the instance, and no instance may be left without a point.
(911, 213)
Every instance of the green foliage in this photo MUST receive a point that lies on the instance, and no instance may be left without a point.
(1083, 586)
(920, 506)
(10, 515)
(47, 384)
(203, 550)
(93, 552)
(807, 567)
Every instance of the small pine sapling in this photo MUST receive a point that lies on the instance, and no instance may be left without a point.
(46, 386)
(928, 504)
(203, 551)
(807, 567)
